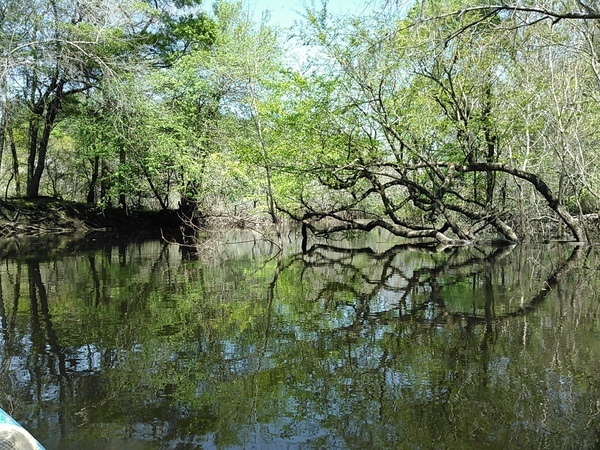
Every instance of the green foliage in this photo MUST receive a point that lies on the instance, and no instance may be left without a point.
(182, 34)
(382, 115)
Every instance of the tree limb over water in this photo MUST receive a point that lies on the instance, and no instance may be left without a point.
(459, 215)
(443, 138)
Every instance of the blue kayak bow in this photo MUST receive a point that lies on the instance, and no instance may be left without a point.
(14, 437)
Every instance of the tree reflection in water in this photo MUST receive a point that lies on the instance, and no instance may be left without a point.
(135, 345)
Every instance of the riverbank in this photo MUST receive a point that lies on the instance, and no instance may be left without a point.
(47, 215)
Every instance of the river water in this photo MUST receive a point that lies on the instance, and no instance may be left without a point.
(125, 343)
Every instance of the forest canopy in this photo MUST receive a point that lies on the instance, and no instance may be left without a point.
(451, 121)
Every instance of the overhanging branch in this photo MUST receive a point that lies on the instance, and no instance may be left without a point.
(542, 14)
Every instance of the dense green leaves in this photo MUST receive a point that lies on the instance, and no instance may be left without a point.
(444, 120)
(440, 98)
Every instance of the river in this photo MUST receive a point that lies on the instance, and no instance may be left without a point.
(126, 343)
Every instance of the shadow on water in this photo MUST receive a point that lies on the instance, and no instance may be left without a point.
(118, 343)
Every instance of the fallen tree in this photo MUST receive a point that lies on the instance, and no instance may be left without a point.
(446, 124)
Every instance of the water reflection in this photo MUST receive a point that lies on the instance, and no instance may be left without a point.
(125, 344)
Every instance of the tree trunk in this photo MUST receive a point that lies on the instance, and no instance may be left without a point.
(541, 187)
(15, 165)
(265, 157)
(3, 129)
(104, 182)
(36, 161)
(122, 198)
(91, 195)
(31, 190)
(161, 201)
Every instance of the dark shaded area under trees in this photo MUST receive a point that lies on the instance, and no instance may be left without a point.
(44, 215)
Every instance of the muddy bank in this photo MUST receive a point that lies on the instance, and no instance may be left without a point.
(45, 215)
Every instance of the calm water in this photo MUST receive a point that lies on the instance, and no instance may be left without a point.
(125, 344)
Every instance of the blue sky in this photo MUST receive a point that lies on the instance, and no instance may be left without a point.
(284, 12)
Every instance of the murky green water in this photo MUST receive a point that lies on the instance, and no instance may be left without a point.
(126, 344)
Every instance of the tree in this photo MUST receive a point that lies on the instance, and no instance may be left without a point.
(217, 94)
(55, 51)
(426, 96)
(61, 51)
(253, 57)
